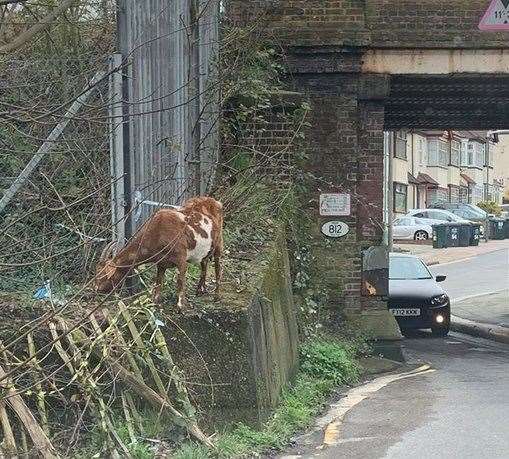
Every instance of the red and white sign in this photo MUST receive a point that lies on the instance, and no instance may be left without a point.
(496, 17)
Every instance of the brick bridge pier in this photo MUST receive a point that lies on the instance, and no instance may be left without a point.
(374, 65)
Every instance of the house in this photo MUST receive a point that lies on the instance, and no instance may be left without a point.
(431, 166)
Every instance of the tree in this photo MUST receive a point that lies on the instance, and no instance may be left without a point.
(40, 26)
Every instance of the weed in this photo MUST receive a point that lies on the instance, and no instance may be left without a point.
(325, 363)
(330, 360)
(192, 451)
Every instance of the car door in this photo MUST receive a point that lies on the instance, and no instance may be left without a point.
(403, 228)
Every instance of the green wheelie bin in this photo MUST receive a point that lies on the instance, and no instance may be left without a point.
(465, 234)
(475, 234)
(453, 234)
(440, 238)
(506, 229)
(496, 226)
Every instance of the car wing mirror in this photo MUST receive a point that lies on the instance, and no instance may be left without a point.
(440, 278)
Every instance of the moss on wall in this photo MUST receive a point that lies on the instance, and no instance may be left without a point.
(238, 359)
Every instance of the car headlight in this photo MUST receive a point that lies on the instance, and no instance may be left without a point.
(440, 299)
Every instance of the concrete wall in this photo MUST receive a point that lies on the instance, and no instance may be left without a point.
(239, 354)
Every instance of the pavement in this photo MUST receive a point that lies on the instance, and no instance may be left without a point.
(433, 256)
(479, 291)
(489, 309)
(457, 408)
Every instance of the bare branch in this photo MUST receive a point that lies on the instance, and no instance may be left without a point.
(10, 2)
(43, 24)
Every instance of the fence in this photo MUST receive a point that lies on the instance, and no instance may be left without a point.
(167, 145)
(55, 214)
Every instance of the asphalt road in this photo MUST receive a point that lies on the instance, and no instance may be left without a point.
(458, 411)
(476, 276)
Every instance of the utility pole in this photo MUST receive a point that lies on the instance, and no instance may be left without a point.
(387, 192)
(487, 166)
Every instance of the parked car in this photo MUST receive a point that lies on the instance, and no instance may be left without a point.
(411, 228)
(505, 210)
(434, 216)
(463, 210)
(415, 298)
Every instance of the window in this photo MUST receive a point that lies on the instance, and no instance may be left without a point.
(438, 154)
(422, 152)
(479, 156)
(488, 160)
(435, 215)
(400, 145)
(400, 197)
(455, 153)
(464, 153)
(443, 157)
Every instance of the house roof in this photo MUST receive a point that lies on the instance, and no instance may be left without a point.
(412, 179)
(426, 179)
(468, 179)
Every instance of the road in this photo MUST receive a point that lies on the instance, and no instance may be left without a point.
(458, 411)
(476, 276)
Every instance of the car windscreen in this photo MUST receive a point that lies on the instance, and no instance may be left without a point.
(401, 268)
(477, 211)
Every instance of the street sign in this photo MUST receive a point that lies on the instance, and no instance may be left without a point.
(496, 17)
(334, 204)
(335, 229)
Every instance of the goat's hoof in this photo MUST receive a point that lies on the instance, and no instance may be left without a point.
(183, 305)
(201, 291)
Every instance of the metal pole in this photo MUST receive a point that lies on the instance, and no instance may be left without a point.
(123, 48)
(118, 216)
(387, 192)
(487, 165)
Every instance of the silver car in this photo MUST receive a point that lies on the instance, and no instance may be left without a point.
(411, 228)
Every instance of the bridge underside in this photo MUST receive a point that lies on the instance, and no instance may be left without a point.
(448, 102)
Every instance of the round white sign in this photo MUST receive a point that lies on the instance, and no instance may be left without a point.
(335, 229)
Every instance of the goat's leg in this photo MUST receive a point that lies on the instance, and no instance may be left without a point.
(181, 284)
(200, 289)
(158, 284)
(218, 271)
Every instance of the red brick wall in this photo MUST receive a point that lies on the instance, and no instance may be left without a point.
(375, 23)
(345, 147)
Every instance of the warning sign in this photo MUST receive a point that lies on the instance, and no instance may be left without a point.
(496, 17)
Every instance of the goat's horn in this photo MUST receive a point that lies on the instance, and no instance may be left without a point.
(108, 251)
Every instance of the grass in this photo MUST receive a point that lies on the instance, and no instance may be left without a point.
(325, 364)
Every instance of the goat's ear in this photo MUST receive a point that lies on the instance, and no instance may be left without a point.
(108, 251)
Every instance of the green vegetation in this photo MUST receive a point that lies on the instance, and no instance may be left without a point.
(325, 364)
(491, 207)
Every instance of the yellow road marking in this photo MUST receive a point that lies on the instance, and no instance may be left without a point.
(357, 395)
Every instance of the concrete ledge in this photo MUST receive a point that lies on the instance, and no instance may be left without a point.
(482, 330)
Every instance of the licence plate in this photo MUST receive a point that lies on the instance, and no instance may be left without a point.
(408, 312)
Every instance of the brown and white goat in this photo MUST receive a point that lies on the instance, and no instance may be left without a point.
(170, 238)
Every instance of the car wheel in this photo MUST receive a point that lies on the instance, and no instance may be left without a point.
(421, 236)
(440, 332)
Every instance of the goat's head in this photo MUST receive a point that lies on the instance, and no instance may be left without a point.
(107, 275)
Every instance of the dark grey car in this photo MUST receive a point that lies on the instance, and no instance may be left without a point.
(415, 298)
